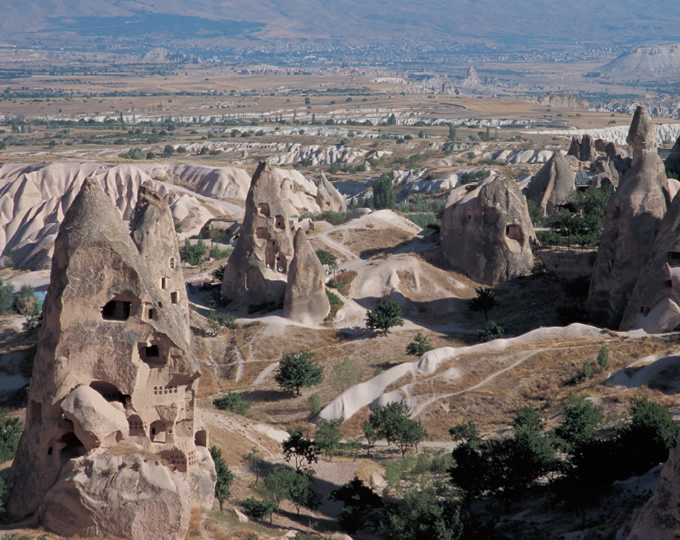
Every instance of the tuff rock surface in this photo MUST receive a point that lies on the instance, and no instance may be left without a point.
(583, 150)
(654, 303)
(113, 377)
(257, 271)
(305, 299)
(487, 233)
(632, 221)
(329, 198)
(552, 185)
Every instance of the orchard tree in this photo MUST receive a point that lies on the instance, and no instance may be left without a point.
(298, 370)
(385, 315)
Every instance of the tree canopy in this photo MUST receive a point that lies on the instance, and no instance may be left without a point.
(298, 370)
(385, 315)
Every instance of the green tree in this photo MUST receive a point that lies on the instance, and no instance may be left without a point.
(328, 436)
(470, 469)
(276, 485)
(232, 402)
(302, 450)
(327, 258)
(580, 422)
(393, 423)
(587, 369)
(6, 295)
(301, 493)
(258, 509)
(218, 273)
(168, 151)
(218, 322)
(360, 505)
(535, 212)
(298, 370)
(193, 253)
(423, 514)
(485, 301)
(419, 346)
(224, 476)
(649, 436)
(385, 315)
(383, 193)
(603, 357)
(452, 133)
(344, 374)
(492, 331)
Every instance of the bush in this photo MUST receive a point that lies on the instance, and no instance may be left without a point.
(218, 273)
(485, 301)
(218, 253)
(334, 218)
(218, 322)
(10, 433)
(422, 220)
(603, 357)
(26, 303)
(491, 332)
(257, 509)
(6, 294)
(328, 436)
(314, 402)
(474, 176)
(419, 346)
(342, 282)
(193, 253)
(385, 315)
(327, 258)
(336, 305)
(233, 402)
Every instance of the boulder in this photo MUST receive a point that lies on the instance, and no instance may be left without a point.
(487, 233)
(552, 185)
(113, 375)
(117, 496)
(257, 271)
(96, 422)
(305, 300)
(632, 220)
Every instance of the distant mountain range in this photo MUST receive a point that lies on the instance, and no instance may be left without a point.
(533, 23)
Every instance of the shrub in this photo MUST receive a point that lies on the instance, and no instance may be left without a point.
(314, 402)
(10, 433)
(485, 301)
(422, 220)
(343, 281)
(336, 305)
(233, 402)
(258, 509)
(327, 258)
(6, 294)
(218, 322)
(603, 357)
(419, 346)
(491, 332)
(193, 253)
(26, 303)
(334, 218)
(218, 253)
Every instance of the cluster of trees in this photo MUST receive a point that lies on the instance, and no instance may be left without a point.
(580, 222)
(581, 461)
(394, 424)
(10, 433)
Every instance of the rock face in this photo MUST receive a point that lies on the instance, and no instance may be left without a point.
(329, 198)
(552, 185)
(654, 304)
(257, 270)
(632, 220)
(487, 234)
(658, 518)
(673, 159)
(113, 370)
(306, 299)
(583, 150)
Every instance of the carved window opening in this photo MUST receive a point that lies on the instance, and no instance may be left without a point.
(262, 233)
(116, 310)
(152, 354)
(644, 310)
(281, 264)
(514, 232)
(673, 258)
(49, 451)
(172, 263)
(158, 433)
(151, 314)
(35, 413)
(72, 446)
(270, 254)
(669, 283)
(136, 426)
(174, 297)
(108, 391)
(201, 438)
(164, 283)
(280, 222)
(263, 209)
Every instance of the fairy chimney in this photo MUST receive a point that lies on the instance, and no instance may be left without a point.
(257, 271)
(112, 443)
(306, 300)
(632, 220)
(552, 185)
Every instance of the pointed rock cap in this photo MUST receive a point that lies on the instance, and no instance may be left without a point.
(641, 135)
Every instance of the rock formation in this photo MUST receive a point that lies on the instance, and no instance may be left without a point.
(673, 159)
(654, 303)
(305, 299)
(257, 270)
(583, 150)
(632, 220)
(329, 198)
(487, 234)
(552, 185)
(658, 518)
(112, 444)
